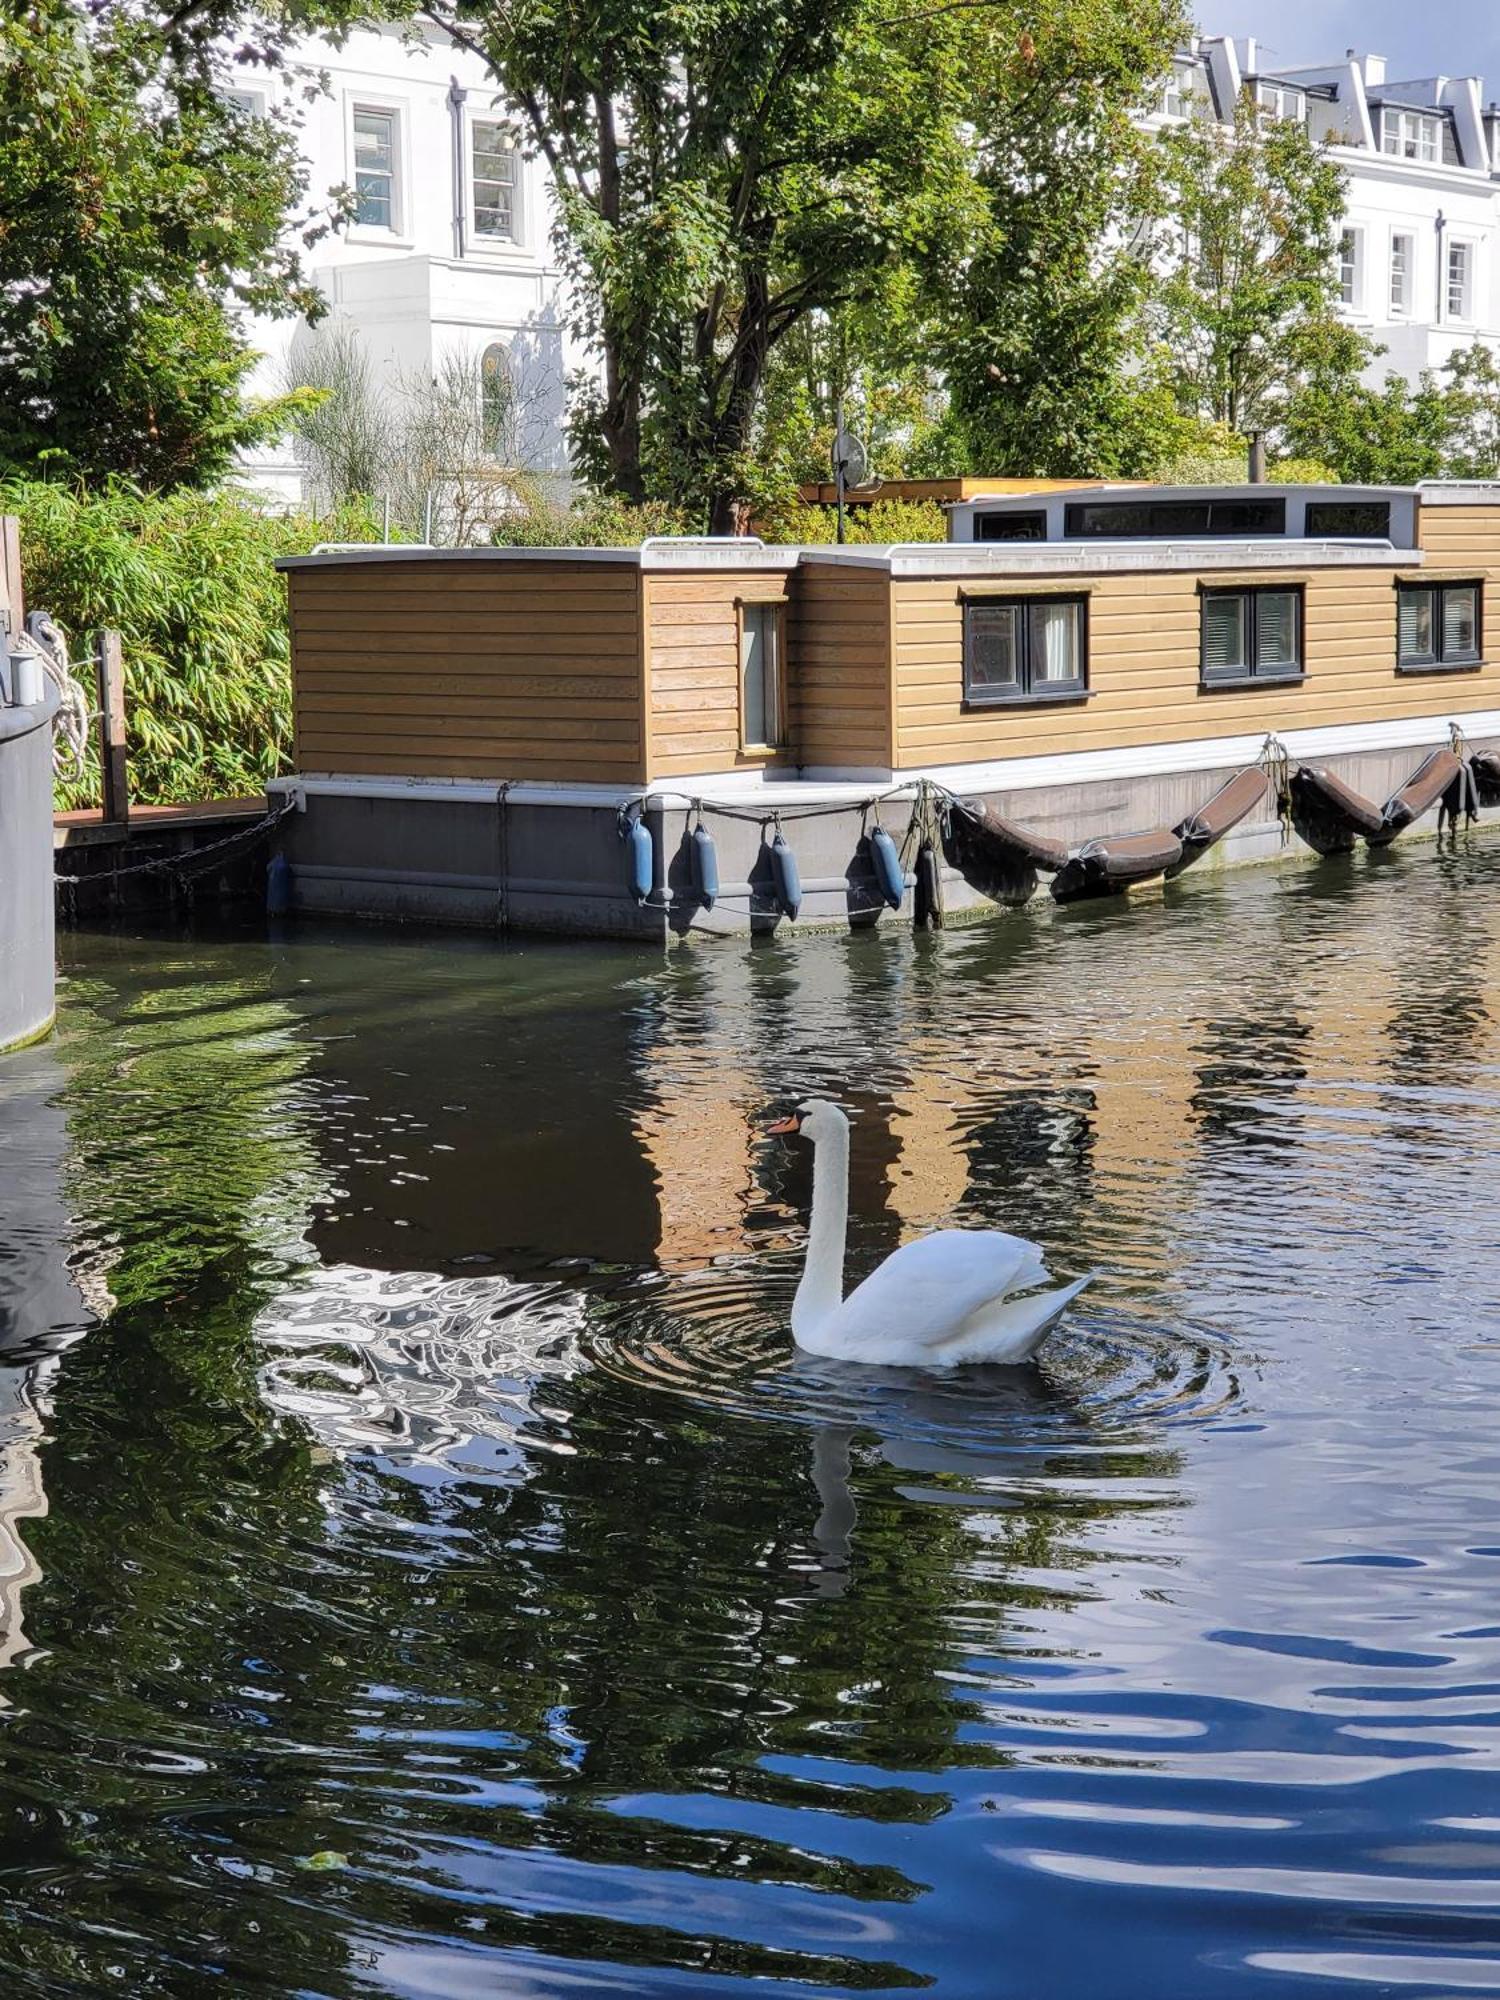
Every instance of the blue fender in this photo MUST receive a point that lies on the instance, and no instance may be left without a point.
(886, 862)
(278, 886)
(704, 857)
(784, 874)
(640, 871)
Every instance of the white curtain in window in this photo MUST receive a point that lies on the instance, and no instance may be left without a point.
(1054, 637)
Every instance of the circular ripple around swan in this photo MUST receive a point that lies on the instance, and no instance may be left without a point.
(721, 1340)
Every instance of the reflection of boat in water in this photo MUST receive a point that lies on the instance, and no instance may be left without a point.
(41, 1315)
(413, 1363)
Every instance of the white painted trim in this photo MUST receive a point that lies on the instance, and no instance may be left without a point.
(1082, 767)
(827, 786)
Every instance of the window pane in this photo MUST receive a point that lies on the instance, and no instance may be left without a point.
(758, 666)
(995, 647)
(1415, 624)
(375, 169)
(1276, 629)
(1461, 622)
(1365, 520)
(1054, 643)
(1224, 634)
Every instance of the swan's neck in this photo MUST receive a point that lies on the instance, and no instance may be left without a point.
(822, 1289)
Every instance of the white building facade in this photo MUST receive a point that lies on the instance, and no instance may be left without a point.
(448, 251)
(1418, 264)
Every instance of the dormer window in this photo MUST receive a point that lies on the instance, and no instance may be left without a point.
(1179, 90)
(1282, 101)
(1411, 135)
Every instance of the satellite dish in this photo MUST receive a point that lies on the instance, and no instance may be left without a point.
(851, 461)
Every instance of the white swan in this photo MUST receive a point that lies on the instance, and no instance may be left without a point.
(939, 1301)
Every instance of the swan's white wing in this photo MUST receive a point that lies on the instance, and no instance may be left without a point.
(924, 1292)
(1009, 1330)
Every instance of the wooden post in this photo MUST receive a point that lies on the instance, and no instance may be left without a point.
(112, 728)
(10, 571)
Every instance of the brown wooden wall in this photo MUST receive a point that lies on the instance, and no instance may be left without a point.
(1143, 669)
(1466, 538)
(692, 635)
(469, 669)
(841, 666)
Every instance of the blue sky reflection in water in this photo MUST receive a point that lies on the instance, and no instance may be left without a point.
(425, 1570)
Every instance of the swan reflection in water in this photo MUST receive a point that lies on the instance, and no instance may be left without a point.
(989, 1431)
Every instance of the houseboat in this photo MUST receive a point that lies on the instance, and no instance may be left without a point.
(720, 736)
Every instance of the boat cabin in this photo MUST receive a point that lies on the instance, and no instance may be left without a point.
(1062, 636)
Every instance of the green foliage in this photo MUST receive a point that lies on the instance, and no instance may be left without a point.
(1246, 301)
(598, 522)
(142, 214)
(187, 578)
(879, 521)
(724, 171)
(1044, 345)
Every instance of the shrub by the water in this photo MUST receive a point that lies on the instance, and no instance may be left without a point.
(188, 580)
(595, 522)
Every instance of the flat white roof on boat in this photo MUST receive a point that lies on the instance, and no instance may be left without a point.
(664, 552)
(1105, 558)
(956, 559)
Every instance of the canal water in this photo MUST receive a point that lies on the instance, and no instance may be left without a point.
(426, 1568)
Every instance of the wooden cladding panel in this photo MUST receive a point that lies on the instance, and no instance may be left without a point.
(841, 676)
(693, 669)
(1143, 671)
(469, 670)
(1461, 538)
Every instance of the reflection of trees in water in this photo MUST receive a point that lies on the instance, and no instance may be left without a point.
(487, 1693)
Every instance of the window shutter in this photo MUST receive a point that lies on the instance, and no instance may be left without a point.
(1414, 625)
(1224, 634)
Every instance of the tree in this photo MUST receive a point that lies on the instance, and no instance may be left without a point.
(441, 455)
(1044, 344)
(143, 216)
(722, 172)
(1247, 290)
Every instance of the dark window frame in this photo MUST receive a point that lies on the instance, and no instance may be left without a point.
(1026, 694)
(1317, 530)
(1250, 675)
(1031, 520)
(775, 611)
(1439, 662)
(1159, 528)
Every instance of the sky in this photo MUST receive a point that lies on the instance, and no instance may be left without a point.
(1444, 38)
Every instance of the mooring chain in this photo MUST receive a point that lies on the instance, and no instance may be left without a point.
(185, 867)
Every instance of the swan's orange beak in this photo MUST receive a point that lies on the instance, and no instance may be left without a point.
(792, 1124)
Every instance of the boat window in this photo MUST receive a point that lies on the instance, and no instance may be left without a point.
(762, 632)
(1135, 520)
(1251, 635)
(1367, 520)
(1438, 625)
(1025, 649)
(1012, 528)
